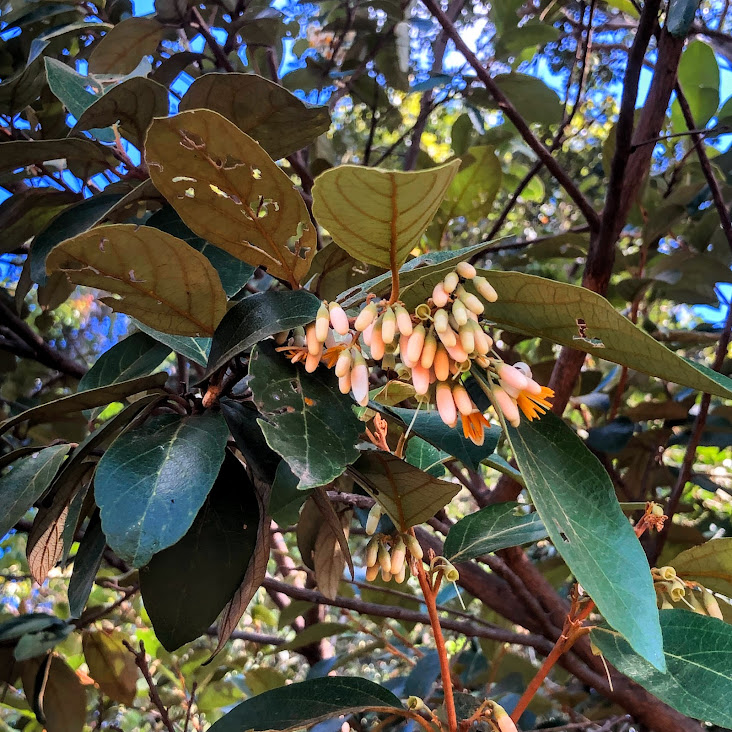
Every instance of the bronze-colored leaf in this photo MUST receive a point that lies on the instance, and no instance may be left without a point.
(110, 664)
(334, 524)
(159, 279)
(84, 158)
(230, 192)
(329, 560)
(122, 49)
(279, 121)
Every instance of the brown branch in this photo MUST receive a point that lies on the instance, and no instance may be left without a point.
(222, 60)
(508, 109)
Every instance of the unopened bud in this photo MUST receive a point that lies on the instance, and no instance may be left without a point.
(696, 606)
(451, 281)
(470, 301)
(441, 320)
(711, 605)
(298, 337)
(467, 339)
(507, 406)
(366, 317)
(372, 572)
(446, 404)
(315, 347)
(512, 377)
(439, 296)
(420, 378)
(312, 363)
(448, 336)
(456, 353)
(359, 378)
(373, 521)
(343, 364)
(385, 576)
(428, 350)
(281, 337)
(416, 342)
(413, 546)
(441, 364)
(372, 550)
(466, 270)
(462, 399)
(378, 347)
(403, 319)
(344, 383)
(322, 323)
(460, 312)
(485, 289)
(398, 555)
(401, 575)
(384, 558)
(338, 319)
(388, 326)
(503, 720)
(366, 335)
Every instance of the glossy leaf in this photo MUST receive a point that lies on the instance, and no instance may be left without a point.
(492, 528)
(257, 317)
(194, 349)
(137, 355)
(233, 273)
(230, 192)
(87, 561)
(110, 664)
(167, 468)
(286, 500)
(124, 46)
(709, 564)
(298, 705)
(378, 216)
(305, 418)
(698, 651)
(408, 495)
(698, 76)
(26, 481)
(680, 16)
(279, 121)
(187, 585)
(158, 278)
(576, 501)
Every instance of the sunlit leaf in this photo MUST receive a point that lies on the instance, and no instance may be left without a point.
(61, 700)
(709, 564)
(110, 664)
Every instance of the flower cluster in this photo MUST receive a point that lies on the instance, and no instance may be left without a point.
(433, 347)
(390, 554)
(669, 586)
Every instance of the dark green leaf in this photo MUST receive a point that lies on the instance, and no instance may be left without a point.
(137, 355)
(32, 645)
(23, 89)
(306, 419)
(429, 426)
(576, 501)
(84, 158)
(299, 705)
(611, 437)
(26, 481)
(187, 585)
(194, 349)
(233, 272)
(698, 651)
(492, 528)
(257, 317)
(312, 634)
(87, 561)
(680, 16)
(31, 623)
(286, 499)
(153, 480)
(425, 456)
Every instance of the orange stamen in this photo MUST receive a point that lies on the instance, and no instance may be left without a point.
(473, 426)
(534, 405)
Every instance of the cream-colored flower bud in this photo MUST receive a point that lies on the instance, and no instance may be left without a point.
(366, 317)
(338, 319)
(344, 383)
(372, 572)
(447, 336)
(312, 362)
(413, 546)
(696, 606)
(373, 519)
(388, 326)
(441, 320)
(371, 556)
(322, 323)
(398, 555)
(377, 347)
(460, 312)
(416, 342)
(677, 590)
(439, 296)
(420, 379)
(401, 575)
(512, 377)
(467, 339)
(711, 605)
(386, 576)
(344, 363)
(485, 289)
(359, 378)
(462, 399)
(404, 320)
(315, 347)
(667, 573)
(446, 404)
(483, 342)
(441, 363)
(428, 350)
(470, 301)
(507, 406)
(456, 353)
(451, 281)
(466, 270)
(384, 558)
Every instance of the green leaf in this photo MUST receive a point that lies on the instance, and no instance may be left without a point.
(22, 89)
(49, 411)
(158, 278)
(286, 500)
(576, 502)
(71, 89)
(137, 355)
(549, 309)
(232, 271)
(125, 45)
(84, 158)
(409, 495)
(230, 192)
(534, 100)
(378, 216)
(698, 76)
(516, 38)
(680, 16)
(68, 223)
(257, 317)
(152, 481)
(110, 664)
(187, 585)
(426, 457)
(312, 634)
(429, 425)
(306, 419)
(32, 645)
(26, 481)
(472, 191)
(299, 705)
(336, 271)
(132, 104)
(698, 651)
(21, 625)
(492, 528)
(194, 349)
(279, 121)
(87, 561)
(709, 564)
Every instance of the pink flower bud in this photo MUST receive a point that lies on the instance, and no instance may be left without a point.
(462, 399)
(360, 379)
(512, 377)
(344, 383)
(441, 364)
(312, 363)
(448, 337)
(457, 353)
(315, 347)
(366, 317)
(420, 379)
(322, 323)
(450, 282)
(533, 388)
(388, 326)
(446, 404)
(377, 342)
(466, 270)
(367, 333)
(507, 406)
(416, 342)
(404, 351)
(343, 364)
(439, 296)
(428, 350)
(338, 319)
(404, 321)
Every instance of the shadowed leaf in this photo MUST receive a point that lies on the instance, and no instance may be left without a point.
(124, 46)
